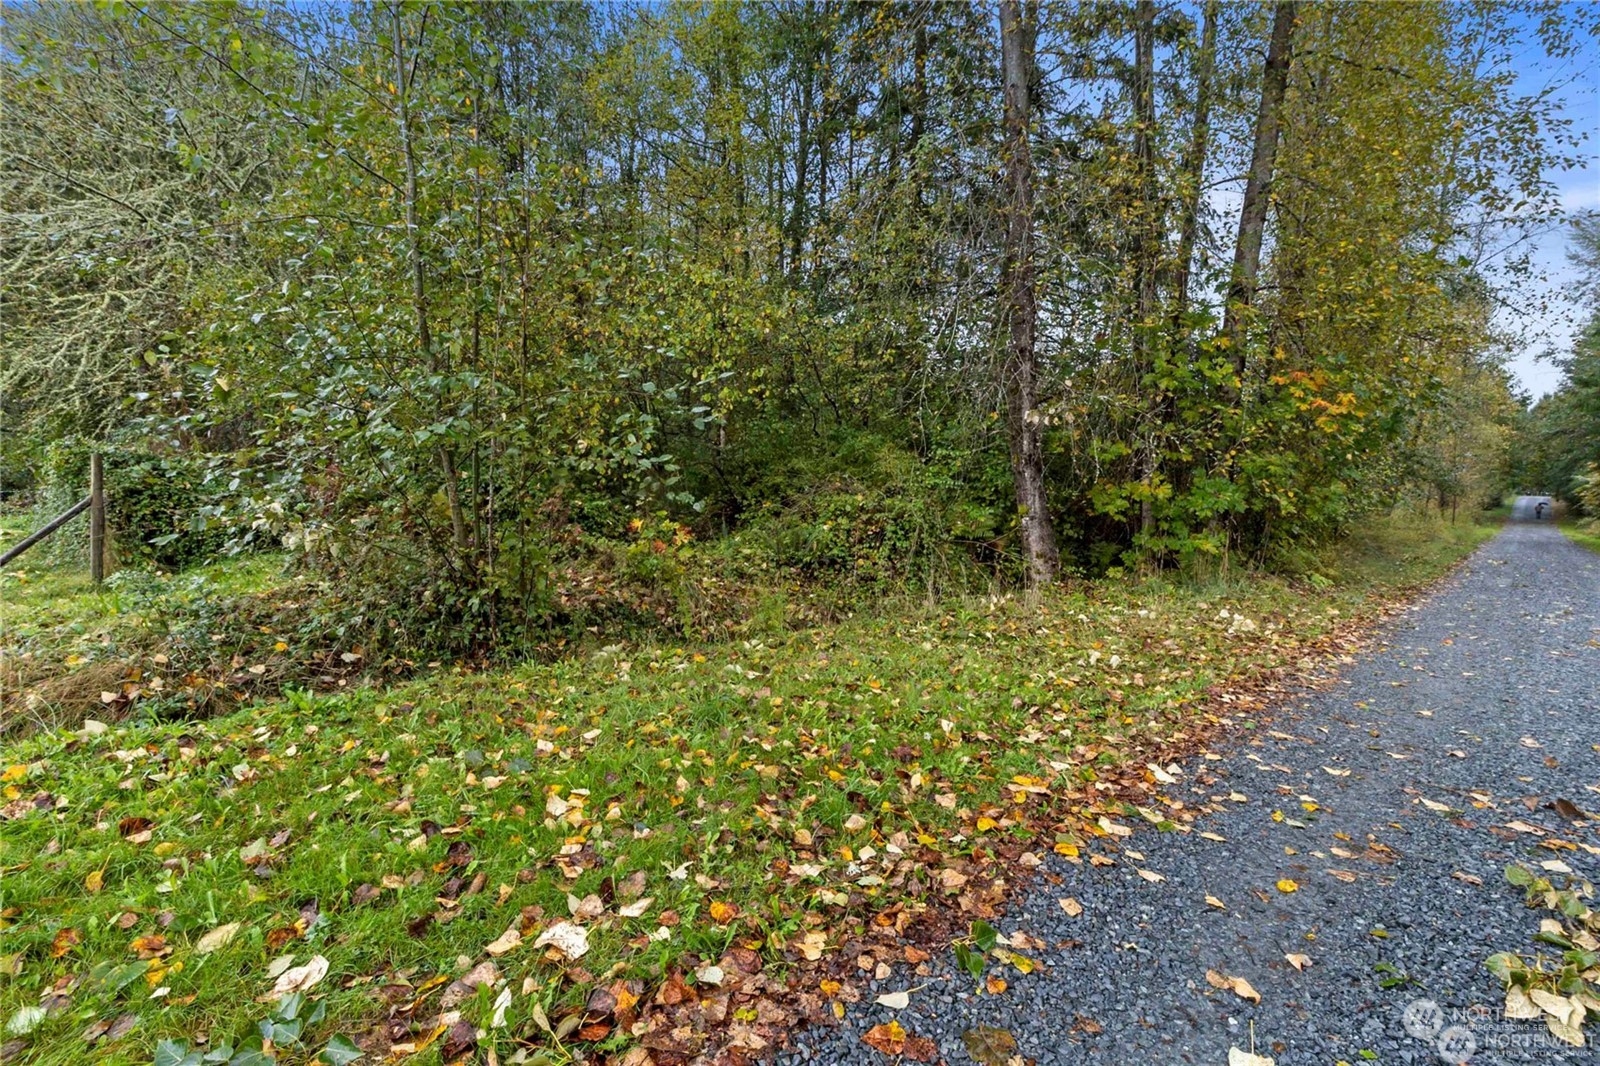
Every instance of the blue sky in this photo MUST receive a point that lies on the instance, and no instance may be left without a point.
(1550, 321)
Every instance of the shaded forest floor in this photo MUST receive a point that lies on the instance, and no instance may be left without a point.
(642, 851)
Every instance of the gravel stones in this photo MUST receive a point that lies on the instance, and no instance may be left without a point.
(1489, 686)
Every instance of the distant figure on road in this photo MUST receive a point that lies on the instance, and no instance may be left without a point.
(1538, 511)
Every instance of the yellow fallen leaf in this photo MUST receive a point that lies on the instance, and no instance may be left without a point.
(95, 881)
(1287, 885)
(1217, 903)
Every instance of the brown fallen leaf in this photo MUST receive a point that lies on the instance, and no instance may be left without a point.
(461, 1039)
(1568, 810)
(888, 1037)
(65, 940)
(990, 1046)
(1072, 907)
(1471, 879)
(150, 947)
(1299, 962)
(1237, 985)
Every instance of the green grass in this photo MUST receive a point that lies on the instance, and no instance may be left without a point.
(64, 641)
(1583, 532)
(755, 791)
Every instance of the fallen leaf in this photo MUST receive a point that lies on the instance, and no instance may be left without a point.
(1568, 810)
(894, 1000)
(1213, 901)
(637, 908)
(299, 978)
(217, 938)
(1299, 962)
(1245, 1058)
(1237, 985)
(1151, 876)
(810, 946)
(505, 942)
(95, 881)
(1072, 907)
(990, 1046)
(570, 940)
(1286, 885)
(889, 1038)
(995, 984)
(65, 940)
(722, 913)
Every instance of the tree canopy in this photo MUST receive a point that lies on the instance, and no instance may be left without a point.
(444, 295)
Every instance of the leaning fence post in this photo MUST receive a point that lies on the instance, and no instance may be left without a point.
(97, 521)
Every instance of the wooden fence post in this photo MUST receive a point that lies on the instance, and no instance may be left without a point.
(97, 521)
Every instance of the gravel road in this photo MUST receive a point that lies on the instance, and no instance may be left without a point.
(1489, 685)
(1526, 508)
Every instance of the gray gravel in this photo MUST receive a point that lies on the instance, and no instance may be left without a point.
(1502, 656)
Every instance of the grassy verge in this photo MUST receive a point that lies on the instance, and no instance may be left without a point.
(1586, 535)
(689, 827)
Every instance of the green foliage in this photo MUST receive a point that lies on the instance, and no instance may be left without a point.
(458, 303)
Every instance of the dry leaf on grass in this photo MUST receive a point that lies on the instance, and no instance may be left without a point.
(299, 978)
(504, 942)
(217, 938)
(570, 940)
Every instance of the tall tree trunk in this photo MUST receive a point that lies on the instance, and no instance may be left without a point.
(1258, 187)
(1194, 166)
(1019, 367)
(419, 277)
(1147, 260)
(802, 163)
